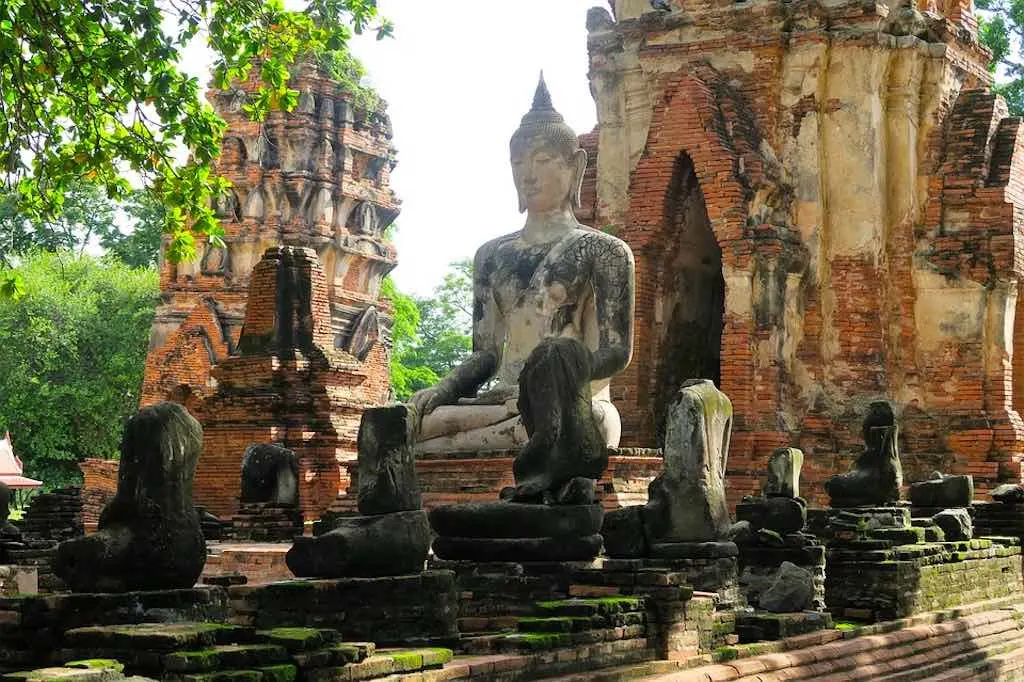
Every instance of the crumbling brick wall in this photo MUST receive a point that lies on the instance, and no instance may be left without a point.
(861, 183)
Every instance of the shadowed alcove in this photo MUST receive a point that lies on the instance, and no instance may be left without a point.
(690, 301)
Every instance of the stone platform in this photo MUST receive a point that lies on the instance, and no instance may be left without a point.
(401, 610)
(33, 629)
(872, 584)
(480, 476)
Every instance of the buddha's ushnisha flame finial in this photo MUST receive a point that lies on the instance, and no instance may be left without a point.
(542, 98)
(542, 112)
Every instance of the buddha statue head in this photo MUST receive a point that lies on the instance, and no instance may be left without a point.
(547, 161)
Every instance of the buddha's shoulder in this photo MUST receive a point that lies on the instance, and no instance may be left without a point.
(602, 242)
(496, 243)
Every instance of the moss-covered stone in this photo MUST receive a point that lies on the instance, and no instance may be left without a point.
(225, 676)
(225, 656)
(298, 639)
(406, 661)
(151, 636)
(279, 673)
(725, 653)
(94, 663)
(554, 624)
(603, 606)
(536, 641)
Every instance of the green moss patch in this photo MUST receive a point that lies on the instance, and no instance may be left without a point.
(96, 663)
(725, 653)
(554, 624)
(298, 639)
(604, 606)
(279, 673)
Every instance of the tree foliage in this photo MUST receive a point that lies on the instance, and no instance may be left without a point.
(73, 351)
(91, 90)
(1001, 29)
(130, 230)
(431, 335)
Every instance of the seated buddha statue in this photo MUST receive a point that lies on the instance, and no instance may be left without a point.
(554, 298)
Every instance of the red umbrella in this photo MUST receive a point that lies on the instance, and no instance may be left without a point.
(11, 468)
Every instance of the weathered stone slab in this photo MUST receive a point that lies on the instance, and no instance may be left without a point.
(15, 580)
(149, 536)
(387, 467)
(623, 532)
(1009, 493)
(780, 514)
(943, 491)
(364, 546)
(687, 502)
(792, 590)
(784, 467)
(694, 550)
(515, 520)
(567, 548)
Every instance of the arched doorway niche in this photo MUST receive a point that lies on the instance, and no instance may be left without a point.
(690, 300)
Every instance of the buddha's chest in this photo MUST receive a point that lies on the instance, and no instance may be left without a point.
(539, 283)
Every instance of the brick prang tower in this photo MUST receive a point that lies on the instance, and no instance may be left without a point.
(315, 178)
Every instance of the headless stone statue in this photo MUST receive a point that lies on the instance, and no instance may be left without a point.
(553, 279)
(877, 474)
(686, 503)
(148, 536)
(270, 473)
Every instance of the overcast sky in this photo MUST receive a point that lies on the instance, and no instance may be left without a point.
(458, 76)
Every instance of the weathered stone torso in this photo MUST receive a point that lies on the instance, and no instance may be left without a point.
(544, 290)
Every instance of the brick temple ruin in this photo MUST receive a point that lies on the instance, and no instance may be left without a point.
(825, 205)
(822, 202)
(317, 177)
(822, 205)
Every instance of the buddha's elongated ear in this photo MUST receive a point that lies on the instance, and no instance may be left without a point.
(580, 162)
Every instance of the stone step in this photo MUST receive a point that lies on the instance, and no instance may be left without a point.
(156, 636)
(963, 661)
(605, 606)
(224, 656)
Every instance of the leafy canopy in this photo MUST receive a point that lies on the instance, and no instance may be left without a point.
(1001, 29)
(430, 335)
(90, 90)
(74, 348)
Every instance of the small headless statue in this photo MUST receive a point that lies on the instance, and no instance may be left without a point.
(552, 323)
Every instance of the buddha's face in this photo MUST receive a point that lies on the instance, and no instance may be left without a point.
(544, 177)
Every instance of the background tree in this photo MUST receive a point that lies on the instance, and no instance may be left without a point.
(73, 351)
(130, 230)
(91, 90)
(432, 334)
(1001, 29)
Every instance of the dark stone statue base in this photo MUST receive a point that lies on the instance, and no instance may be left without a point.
(364, 546)
(694, 550)
(567, 548)
(515, 520)
(511, 531)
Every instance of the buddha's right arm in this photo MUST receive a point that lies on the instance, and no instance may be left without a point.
(488, 336)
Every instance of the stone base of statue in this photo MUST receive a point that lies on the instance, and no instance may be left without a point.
(512, 531)
(364, 546)
(266, 522)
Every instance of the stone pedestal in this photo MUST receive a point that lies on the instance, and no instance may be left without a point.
(400, 610)
(510, 531)
(881, 566)
(266, 522)
(35, 627)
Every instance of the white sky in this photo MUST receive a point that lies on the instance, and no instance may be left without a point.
(458, 76)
